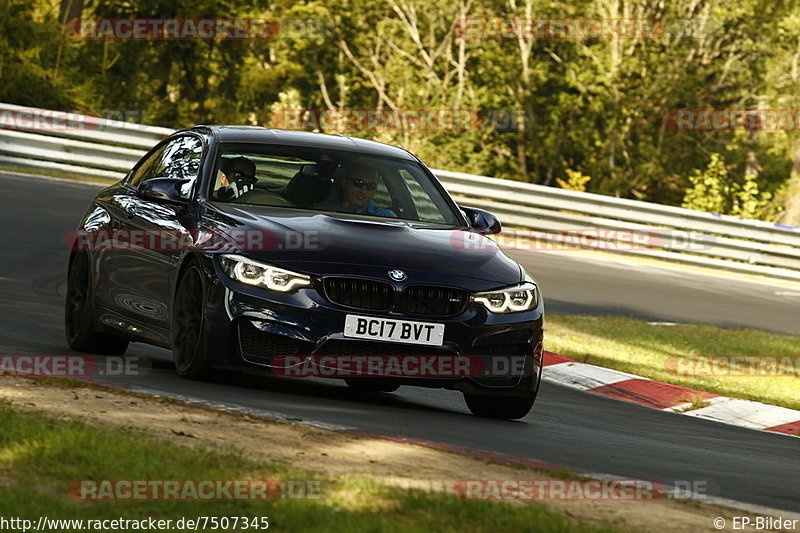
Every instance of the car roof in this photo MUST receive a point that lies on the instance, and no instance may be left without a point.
(258, 134)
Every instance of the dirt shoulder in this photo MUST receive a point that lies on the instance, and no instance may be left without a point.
(332, 453)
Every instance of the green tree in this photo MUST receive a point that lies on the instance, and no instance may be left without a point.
(29, 40)
(715, 191)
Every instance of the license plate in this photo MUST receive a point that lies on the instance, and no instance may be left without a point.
(388, 329)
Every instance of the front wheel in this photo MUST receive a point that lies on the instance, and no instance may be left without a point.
(79, 313)
(502, 407)
(188, 325)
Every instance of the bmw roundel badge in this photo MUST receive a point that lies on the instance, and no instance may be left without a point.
(397, 275)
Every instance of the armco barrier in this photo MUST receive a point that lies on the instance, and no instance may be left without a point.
(716, 241)
(53, 142)
(62, 142)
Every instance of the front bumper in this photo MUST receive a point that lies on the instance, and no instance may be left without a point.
(300, 334)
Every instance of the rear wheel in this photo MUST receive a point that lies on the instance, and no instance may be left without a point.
(371, 385)
(503, 407)
(188, 325)
(79, 313)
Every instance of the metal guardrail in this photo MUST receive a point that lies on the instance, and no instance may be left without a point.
(53, 142)
(676, 234)
(63, 142)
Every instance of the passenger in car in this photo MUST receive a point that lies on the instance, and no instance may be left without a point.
(235, 177)
(353, 192)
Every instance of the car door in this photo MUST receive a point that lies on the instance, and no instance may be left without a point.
(152, 236)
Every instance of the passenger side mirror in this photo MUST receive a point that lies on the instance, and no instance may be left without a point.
(482, 221)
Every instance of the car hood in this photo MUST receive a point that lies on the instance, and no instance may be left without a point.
(331, 244)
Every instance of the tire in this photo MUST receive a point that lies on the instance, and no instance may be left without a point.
(79, 313)
(370, 385)
(502, 407)
(188, 333)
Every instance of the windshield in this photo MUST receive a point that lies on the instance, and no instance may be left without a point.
(328, 181)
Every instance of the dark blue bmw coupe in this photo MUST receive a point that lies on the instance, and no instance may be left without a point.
(303, 254)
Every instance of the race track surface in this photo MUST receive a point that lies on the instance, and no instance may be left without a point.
(568, 427)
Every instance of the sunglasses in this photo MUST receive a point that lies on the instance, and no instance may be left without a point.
(242, 176)
(361, 184)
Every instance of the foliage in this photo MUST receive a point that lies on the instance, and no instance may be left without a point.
(598, 107)
(715, 191)
(710, 189)
(575, 181)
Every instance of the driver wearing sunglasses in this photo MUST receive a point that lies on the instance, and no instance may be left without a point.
(357, 189)
(236, 176)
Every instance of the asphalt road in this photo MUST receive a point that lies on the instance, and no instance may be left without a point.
(571, 428)
(586, 283)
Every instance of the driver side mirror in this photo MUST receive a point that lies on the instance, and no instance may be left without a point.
(163, 190)
(482, 221)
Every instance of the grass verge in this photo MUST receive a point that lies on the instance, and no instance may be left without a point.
(40, 456)
(741, 363)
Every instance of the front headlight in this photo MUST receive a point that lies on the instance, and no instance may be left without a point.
(263, 275)
(523, 297)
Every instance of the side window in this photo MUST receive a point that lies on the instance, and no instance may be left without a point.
(425, 206)
(178, 159)
(145, 170)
